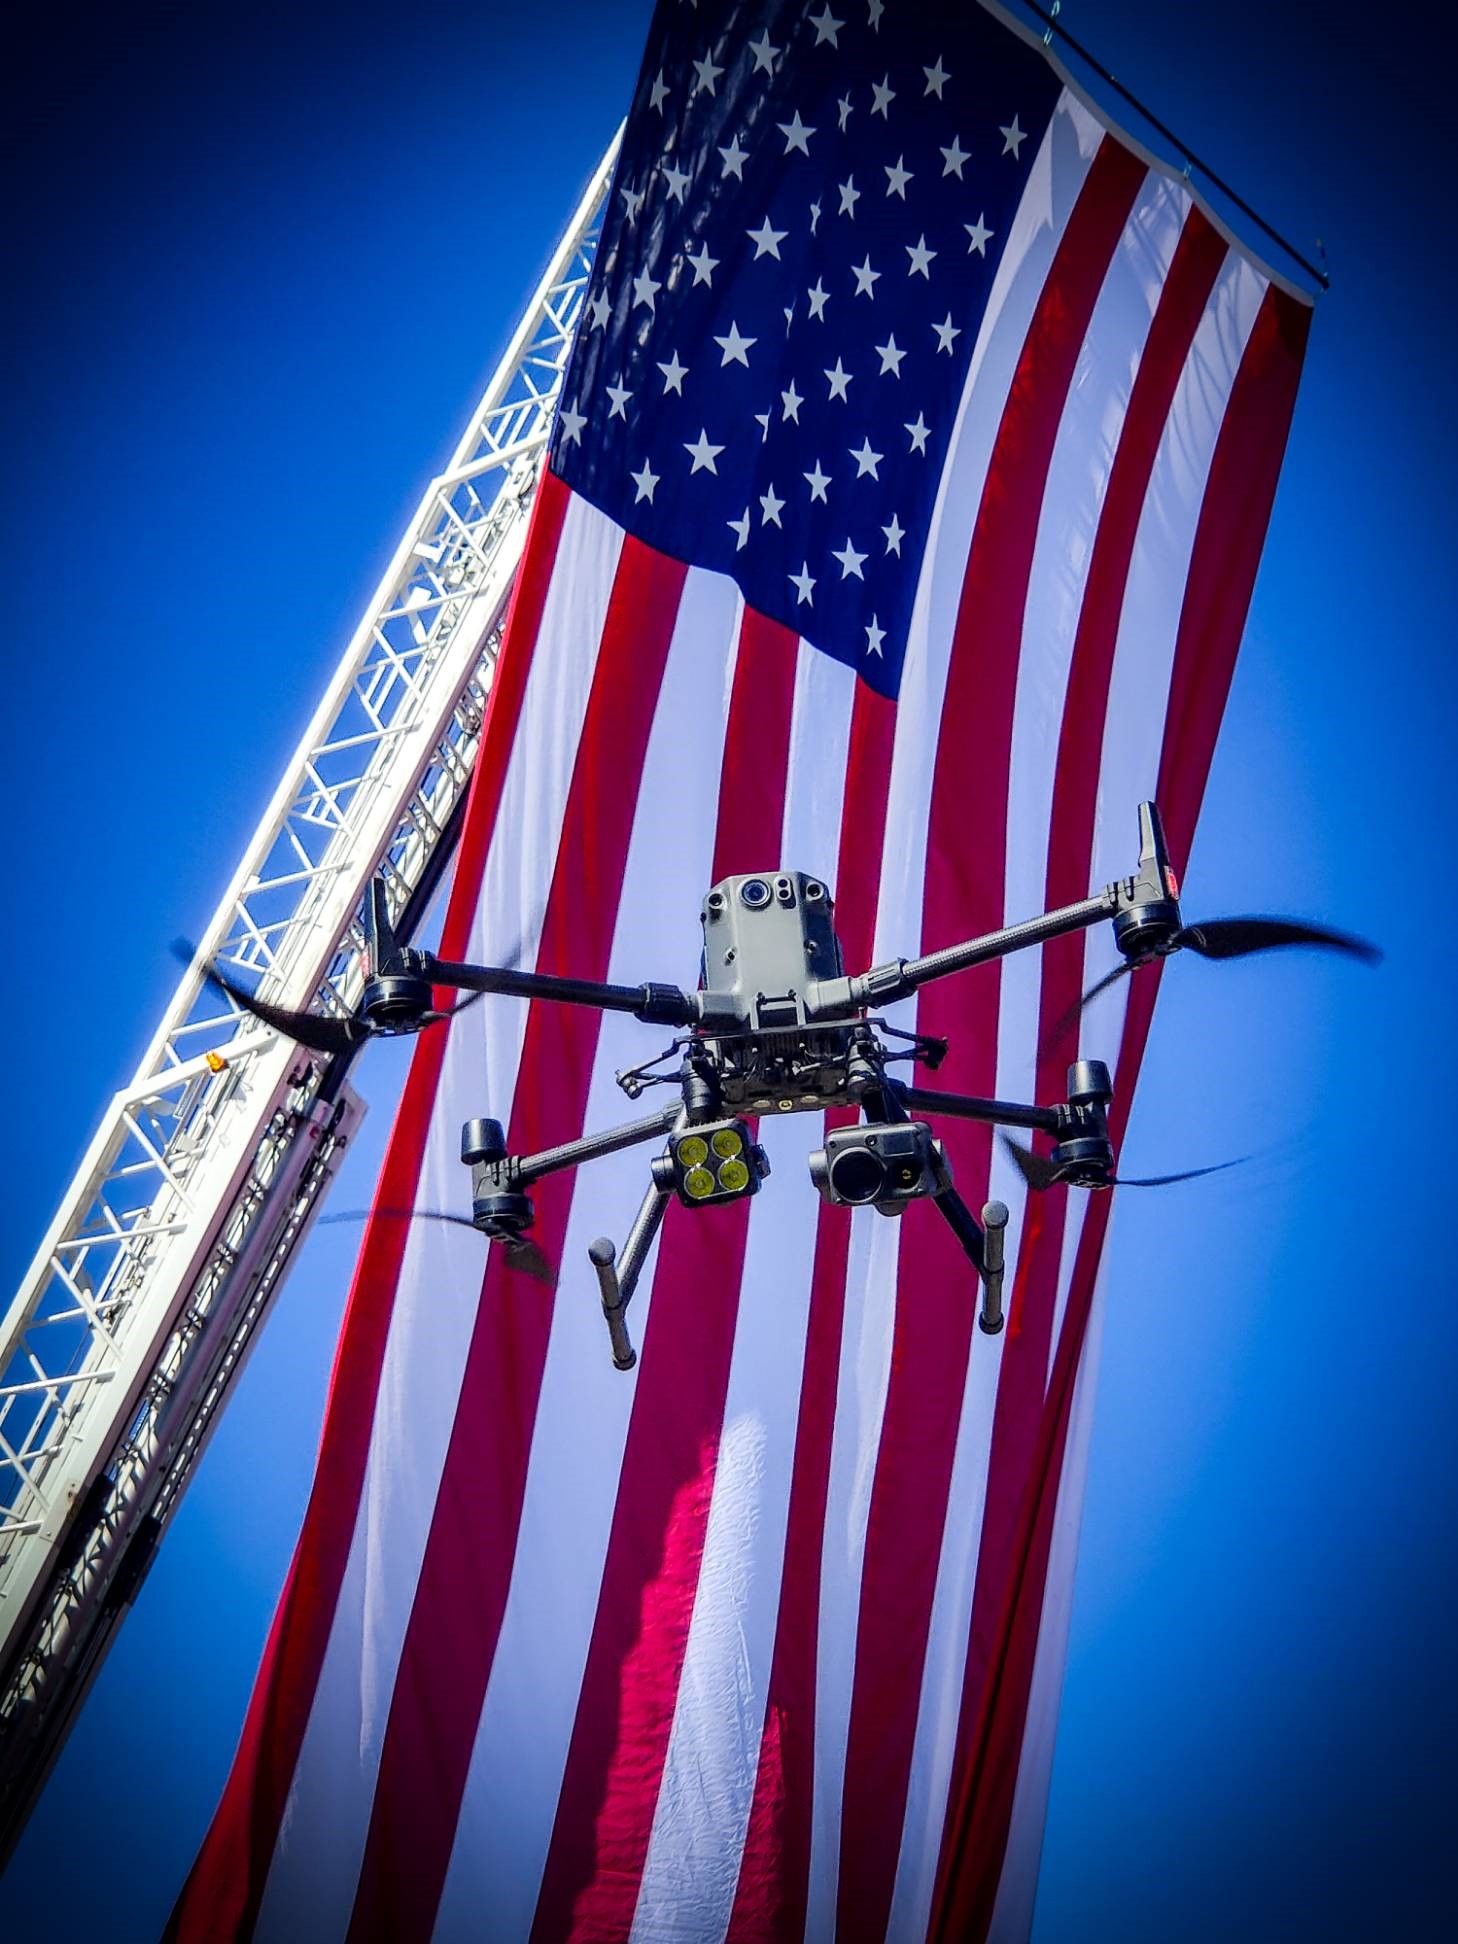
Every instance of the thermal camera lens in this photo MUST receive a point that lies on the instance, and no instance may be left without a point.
(733, 1175)
(698, 1183)
(755, 893)
(726, 1143)
(693, 1151)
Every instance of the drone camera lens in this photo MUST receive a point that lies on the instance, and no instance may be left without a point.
(856, 1175)
(755, 893)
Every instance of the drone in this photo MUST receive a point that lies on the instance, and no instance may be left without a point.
(777, 1026)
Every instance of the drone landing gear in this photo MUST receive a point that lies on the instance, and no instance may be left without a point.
(983, 1246)
(617, 1281)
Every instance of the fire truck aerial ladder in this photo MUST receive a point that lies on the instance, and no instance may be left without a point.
(149, 1286)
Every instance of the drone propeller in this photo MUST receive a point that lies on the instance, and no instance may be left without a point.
(521, 1253)
(321, 1032)
(1040, 1173)
(1226, 938)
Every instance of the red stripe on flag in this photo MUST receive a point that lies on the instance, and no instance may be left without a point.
(1228, 539)
(224, 1889)
(965, 874)
(774, 1870)
(615, 1760)
(456, 1617)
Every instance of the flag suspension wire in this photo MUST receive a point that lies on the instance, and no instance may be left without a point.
(1051, 23)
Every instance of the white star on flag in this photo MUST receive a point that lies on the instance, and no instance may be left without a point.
(826, 27)
(704, 266)
(921, 258)
(796, 134)
(792, 401)
(645, 289)
(676, 181)
(741, 527)
(890, 354)
(819, 297)
(674, 374)
(895, 534)
(874, 637)
(980, 235)
(946, 332)
(920, 432)
(703, 454)
(803, 583)
(954, 155)
(1013, 139)
(766, 241)
(818, 482)
(620, 395)
(897, 177)
(734, 160)
(936, 78)
(571, 423)
(850, 560)
(645, 481)
(865, 278)
(770, 505)
(840, 381)
(708, 75)
(883, 96)
(735, 347)
(764, 52)
(866, 460)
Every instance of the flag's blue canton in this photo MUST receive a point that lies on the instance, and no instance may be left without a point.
(801, 238)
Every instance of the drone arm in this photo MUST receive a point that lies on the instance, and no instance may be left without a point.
(658, 1005)
(884, 984)
(572, 1154)
(1001, 1113)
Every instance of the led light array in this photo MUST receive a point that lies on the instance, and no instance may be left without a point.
(717, 1162)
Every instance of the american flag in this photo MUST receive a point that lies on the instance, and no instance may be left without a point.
(901, 520)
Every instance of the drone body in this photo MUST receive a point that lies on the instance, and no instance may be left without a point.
(777, 1026)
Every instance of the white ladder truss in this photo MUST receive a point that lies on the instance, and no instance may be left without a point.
(146, 1292)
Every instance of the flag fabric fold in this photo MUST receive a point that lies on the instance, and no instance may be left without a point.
(900, 525)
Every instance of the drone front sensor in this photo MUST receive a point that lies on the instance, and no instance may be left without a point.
(717, 1162)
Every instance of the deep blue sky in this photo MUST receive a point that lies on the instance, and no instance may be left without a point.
(260, 268)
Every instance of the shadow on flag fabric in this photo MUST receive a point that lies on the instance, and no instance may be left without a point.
(900, 523)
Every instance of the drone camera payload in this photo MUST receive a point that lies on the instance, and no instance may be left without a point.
(884, 1168)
